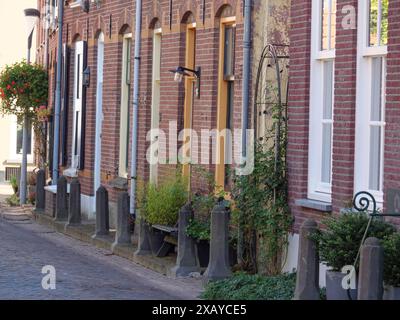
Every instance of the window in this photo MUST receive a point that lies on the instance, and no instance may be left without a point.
(125, 102)
(79, 102)
(322, 99)
(155, 100)
(226, 101)
(53, 14)
(378, 22)
(371, 90)
(20, 137)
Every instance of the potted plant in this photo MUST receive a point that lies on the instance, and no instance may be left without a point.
(161, 207)
(339, 244)
(391, 269)
(200, 232)
(14, 184)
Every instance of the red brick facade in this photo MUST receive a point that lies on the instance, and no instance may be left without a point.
(115, 18)
(345, 93)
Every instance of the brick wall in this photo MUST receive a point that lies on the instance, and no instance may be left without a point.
(119, 15)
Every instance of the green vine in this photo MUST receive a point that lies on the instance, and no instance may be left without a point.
(262, 212)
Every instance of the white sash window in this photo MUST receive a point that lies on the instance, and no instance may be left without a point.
(321, 99)
(371, 91)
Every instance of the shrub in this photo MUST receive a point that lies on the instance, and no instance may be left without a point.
(244, 286)
(163, 202)
(198, 230)
(14, 184)
(340, 242)
(391, 245)
(13, 201)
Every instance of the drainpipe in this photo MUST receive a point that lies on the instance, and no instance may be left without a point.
(135, 119)
(246, 73)
(46, 34)
(245, 101)
(58, 94)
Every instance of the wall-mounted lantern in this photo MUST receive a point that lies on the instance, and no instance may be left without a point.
(181, 72)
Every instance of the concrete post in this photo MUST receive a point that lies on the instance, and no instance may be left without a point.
(370, 278)
(307, 282)
(144, 247)
(186, 261)
(40, 193)
(123, 234)
(61, 200)
(219, 267)
(75, 217)
(102, 213)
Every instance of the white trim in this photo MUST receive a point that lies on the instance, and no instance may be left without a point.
(124, 109)
(99, 112)
(155, 100)
(13, 155)
(318, 190)
(363, 106)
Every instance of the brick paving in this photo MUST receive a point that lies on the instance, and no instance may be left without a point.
(82, 271)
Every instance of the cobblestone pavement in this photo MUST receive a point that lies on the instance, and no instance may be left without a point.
(82, 271)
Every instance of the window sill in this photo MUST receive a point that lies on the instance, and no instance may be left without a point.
(71, 173)
(53, 188)
(314, 204)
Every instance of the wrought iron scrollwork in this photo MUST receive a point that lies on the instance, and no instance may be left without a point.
(363, 200)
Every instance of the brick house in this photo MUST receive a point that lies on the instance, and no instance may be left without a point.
(343, 105)
(96, 121)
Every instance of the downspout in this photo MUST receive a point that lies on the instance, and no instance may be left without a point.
(46, 35)
(246, 73)
(245, 102)
(58, 94)
(135, 113)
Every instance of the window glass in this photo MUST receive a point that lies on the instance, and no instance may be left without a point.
(378, 22)
(328, 32)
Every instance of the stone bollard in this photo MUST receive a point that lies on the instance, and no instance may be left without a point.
(40, 192)
(74, 217)
(219, 266)
(370, 278)
(186, 261)
(102, 213)
(123, 234)
(61, 200)
(144, 247)
(307, 281)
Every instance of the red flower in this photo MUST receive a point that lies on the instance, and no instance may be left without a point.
(21, 90)
(8, 87)
(13, 83)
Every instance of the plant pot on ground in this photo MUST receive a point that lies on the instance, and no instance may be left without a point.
(339, 244)
(161, 206)
(391, 274)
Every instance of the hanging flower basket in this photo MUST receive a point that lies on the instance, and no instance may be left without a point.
(23, 89)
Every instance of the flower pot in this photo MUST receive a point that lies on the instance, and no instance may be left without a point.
(391, 293)
(156, 240)
(334, 289)
(203, 252)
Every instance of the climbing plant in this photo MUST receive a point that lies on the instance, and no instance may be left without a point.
(262, 212)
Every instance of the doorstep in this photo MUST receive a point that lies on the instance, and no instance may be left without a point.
(85, 231)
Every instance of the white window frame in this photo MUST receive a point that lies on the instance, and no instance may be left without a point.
(317, 190)
(15, 157)
(363, 105)
(78, 104)
(155, 101)
(124, 110)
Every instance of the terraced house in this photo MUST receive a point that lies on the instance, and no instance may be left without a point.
(343, 105)
(215, 92)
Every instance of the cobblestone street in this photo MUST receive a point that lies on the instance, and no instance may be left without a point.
(82, 271)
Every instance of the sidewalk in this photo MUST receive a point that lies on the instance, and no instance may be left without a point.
(192, 287)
